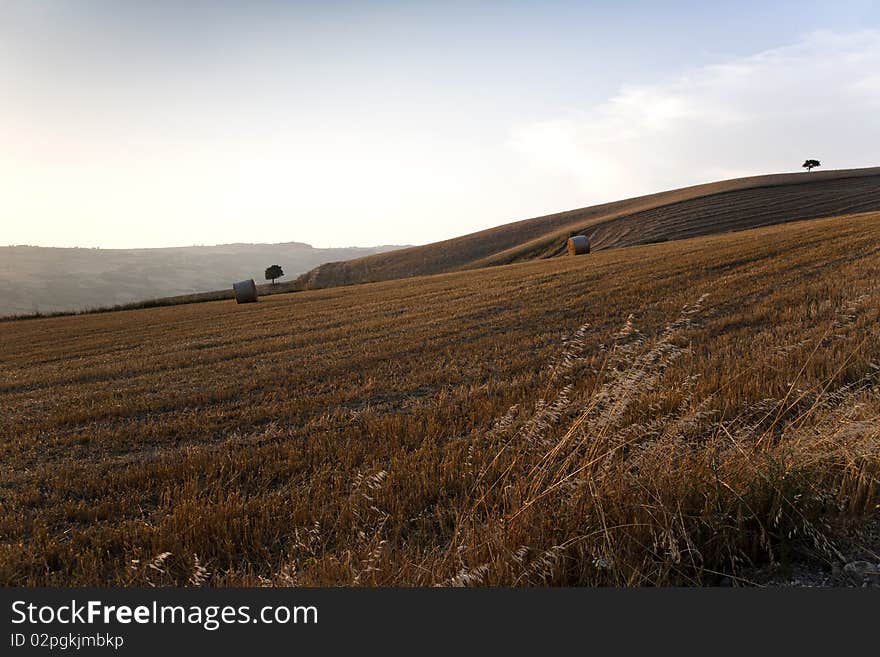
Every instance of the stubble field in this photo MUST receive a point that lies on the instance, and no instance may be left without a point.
(665, 414)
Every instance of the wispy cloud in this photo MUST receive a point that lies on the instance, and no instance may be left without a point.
(766, 112)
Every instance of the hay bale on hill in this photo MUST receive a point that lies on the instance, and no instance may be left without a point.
(578, 245)
(245, 291)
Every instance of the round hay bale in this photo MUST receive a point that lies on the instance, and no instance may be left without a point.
(578, 245)
(245, 291)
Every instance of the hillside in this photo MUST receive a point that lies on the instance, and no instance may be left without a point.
(568, 421)
(38, 279)
(706, 209)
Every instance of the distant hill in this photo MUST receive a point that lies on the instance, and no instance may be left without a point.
(718, 207)
(40, 279)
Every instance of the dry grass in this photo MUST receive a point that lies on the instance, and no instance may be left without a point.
(654, 415)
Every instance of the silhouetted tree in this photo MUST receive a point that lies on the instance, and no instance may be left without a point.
(274, 272)
(809, 164)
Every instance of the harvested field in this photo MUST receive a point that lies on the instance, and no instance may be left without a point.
(664, 414)
(740, 210)
(712, 208)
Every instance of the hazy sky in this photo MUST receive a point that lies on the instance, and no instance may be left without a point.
(126, 124)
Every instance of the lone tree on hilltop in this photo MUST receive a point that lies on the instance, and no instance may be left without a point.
(274, 272)
(809, 164)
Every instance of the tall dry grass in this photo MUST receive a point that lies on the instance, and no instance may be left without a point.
(576, 489)
(580, 491)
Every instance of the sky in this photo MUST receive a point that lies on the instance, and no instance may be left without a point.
(132, 124)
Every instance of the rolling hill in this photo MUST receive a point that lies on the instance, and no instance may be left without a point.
(45, 280)
(669, 413)
(706, 209)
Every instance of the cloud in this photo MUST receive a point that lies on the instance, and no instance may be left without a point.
(766, 112)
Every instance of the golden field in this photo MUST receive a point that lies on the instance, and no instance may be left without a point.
(670, 413)
(707, 209)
